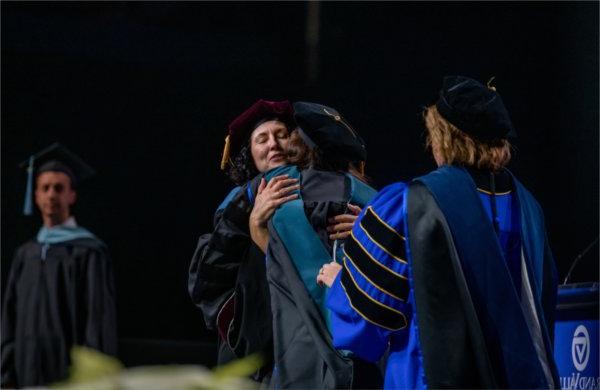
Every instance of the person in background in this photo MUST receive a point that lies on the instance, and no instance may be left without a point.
(60, 290)
(453, 270)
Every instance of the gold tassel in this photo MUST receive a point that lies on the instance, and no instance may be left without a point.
(490, 82)
(225, 158)
(361, 167)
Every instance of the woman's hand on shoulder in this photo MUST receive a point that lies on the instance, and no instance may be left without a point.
(269, 196)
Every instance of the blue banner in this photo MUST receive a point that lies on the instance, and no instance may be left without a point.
(576, 344)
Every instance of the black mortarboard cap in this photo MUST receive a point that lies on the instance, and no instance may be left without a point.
(327, 129)
(475, 109)
(55, 158)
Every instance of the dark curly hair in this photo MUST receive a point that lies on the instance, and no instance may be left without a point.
(242, 168)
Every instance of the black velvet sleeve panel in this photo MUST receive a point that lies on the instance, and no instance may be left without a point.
(443, 304)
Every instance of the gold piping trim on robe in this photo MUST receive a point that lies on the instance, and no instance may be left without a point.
(368, 319)
(375, 261)
(366, 277)
(385, 224)
(495, 193)
(381, 246)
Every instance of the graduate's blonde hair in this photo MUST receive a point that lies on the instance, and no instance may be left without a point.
(458, 148)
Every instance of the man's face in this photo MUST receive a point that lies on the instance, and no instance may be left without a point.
(54, 196)
(268, 145)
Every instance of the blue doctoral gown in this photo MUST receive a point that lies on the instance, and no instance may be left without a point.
(459, 303)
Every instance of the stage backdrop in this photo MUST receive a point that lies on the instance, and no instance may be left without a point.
(144, 91)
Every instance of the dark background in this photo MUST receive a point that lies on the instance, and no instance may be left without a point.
(144, 92)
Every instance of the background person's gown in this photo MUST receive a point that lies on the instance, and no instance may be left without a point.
(57, 296)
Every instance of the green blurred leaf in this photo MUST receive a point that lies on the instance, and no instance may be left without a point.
(92, 370)
(88, 365)
(240, 368)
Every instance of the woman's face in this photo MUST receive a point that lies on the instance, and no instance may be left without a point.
(268, 145)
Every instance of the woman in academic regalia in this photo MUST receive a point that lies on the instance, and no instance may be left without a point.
(227, 274)
(452, 271)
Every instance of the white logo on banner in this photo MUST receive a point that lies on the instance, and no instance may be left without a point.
(580, 348)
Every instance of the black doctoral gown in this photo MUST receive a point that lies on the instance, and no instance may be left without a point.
(304, 355)
(53, 302)
(227, 283)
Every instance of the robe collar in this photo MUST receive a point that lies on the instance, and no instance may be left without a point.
(67, 231)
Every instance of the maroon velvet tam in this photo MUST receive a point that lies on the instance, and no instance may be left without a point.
(242, 126)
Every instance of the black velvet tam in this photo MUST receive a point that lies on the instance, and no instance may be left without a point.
(475, 109)
(328, 130)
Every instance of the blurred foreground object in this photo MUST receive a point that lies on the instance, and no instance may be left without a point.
(93, 370)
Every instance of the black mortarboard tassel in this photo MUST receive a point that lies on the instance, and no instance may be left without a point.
(54, 158)
(328, 130)
(474, 109)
